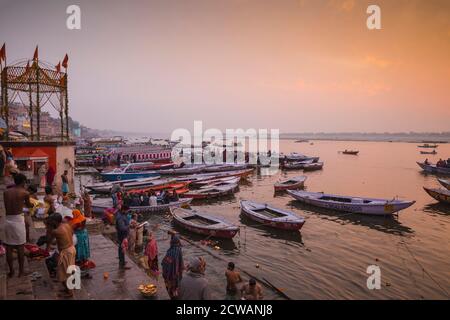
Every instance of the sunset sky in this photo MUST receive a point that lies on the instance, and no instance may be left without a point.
(294, 65)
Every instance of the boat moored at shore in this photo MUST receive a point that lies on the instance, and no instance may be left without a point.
(351, 204)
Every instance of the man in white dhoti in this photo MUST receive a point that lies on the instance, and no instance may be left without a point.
(15, 233)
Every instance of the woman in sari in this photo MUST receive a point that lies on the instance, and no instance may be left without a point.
(172, 266)
(151, 251)
(78, 223)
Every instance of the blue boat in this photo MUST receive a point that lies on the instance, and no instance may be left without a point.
(126, 173)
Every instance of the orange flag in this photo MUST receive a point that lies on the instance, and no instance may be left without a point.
(36, 54)
(58, 67)
(66, 59)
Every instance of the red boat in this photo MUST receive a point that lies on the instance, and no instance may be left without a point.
(203, 224)
(166, 186)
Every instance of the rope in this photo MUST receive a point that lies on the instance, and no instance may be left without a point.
(425, 271)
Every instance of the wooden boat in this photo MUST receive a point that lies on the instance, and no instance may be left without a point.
(85, 170)
(224, 167)
(187, 169)
(441, 195)
(212, 192)
(296, 165)
(445, 183)
(126, 173)
(202, 183)
(230, 181)
(178, 187)
(426, 145)
(351, 152)
(431, 168)
(291, 183)
(203, 224)
(216, 175)
(105, 187)
(428, 152)
(145, 166)
(270, 216)
(313, 166)
(294, 156)
(351, 204)
(99, 205)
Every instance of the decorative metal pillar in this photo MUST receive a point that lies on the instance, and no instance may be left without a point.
(38, 104)
(30, 110)
(66, 105)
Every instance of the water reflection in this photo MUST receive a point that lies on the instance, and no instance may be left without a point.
(387, 224)
(268, 232)
(439, 208)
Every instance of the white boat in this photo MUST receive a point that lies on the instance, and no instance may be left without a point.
(105, 187)
(270, 216)
(361, 205)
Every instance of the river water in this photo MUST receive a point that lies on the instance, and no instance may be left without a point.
(328, 259)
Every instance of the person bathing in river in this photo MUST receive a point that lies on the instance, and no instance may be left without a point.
(251, 291)
(233, 278)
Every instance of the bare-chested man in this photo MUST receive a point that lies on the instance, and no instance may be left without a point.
(233, 277)
(63, 233)
(15, 199)
(252, 290)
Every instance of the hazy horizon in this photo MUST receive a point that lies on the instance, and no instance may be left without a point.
(293, 65)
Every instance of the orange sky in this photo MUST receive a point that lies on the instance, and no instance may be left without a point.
(303, 65)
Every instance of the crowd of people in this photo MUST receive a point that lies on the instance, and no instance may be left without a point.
(143, 198)
(183, 282)
(66, 240)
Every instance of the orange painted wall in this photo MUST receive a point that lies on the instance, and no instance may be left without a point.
(50, 151)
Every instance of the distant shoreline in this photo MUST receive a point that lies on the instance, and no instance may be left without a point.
(366, 140)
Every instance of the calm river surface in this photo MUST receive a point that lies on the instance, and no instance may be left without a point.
(329, 258)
